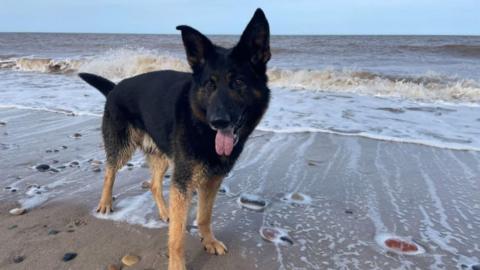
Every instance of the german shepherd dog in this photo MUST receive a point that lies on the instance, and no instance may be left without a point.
(198, 122)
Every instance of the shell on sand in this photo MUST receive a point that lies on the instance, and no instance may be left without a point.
(298, 198)
(17, 211)
(130, 260)
(399, 245)
(276, 235)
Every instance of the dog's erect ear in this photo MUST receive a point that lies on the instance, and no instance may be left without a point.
(197, 46)
(255, 42)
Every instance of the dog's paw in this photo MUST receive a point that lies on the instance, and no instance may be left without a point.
(214, 246)
(164, 216)
(105, 207)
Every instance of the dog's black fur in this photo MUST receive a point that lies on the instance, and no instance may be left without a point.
(176, 108)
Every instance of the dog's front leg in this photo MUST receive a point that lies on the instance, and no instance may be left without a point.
(180, 197)
(207, 190)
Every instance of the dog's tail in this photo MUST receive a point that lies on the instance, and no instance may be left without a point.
(103, 85)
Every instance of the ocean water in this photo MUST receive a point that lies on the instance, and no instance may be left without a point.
(418, 89)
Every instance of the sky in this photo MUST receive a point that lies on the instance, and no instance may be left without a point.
(301, 17)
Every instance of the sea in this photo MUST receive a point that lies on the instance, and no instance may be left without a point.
(414, 89)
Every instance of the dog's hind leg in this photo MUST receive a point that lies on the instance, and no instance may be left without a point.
(179, 202)
(207, 190)
(119, 149)
(106, 204)
(158, 165)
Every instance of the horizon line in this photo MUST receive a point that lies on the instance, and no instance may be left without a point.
(222, 34)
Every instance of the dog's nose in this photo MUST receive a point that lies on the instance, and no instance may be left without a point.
(220, 121)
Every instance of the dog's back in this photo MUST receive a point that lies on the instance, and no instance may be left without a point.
(148, 102)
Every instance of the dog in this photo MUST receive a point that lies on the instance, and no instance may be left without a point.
(197, 122)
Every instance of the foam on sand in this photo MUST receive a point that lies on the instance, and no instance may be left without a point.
(135, 209)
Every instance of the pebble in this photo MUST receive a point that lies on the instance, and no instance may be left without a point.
(77, 135)
(146, 185)
(224, 189)
(8, 187)
(74, 164)
(17, 211)
(476, 267)
(96, 162)
(18, 259)
(64, 147)
(252, 202)
(12, 227)
(348, 211)
(130, 260)
(96, 169)
(53, 170)
(311, 163)
(112, 267)
(53, 232)
(42, 167)
(48, 151)
(13, 190)
(56, 150)
(286, 239)
(297, 196)
(55, 161)
(2, 124)
(78, 222)
(69, 256)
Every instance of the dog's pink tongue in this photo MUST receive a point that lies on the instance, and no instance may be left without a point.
(224, 142)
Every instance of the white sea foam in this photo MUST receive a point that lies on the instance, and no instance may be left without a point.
(122, 63)
(334, 101)
(127, 209)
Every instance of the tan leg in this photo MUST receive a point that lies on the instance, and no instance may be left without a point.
(114, 163)
(158, 166)
(207, 190)
(179, 204)
(105, 205)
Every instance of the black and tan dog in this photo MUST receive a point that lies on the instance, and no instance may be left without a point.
(198, 122)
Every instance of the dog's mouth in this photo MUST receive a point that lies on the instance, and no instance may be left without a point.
(225, 140)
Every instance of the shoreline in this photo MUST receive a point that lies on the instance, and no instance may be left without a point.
(385, 138)
(359, 188)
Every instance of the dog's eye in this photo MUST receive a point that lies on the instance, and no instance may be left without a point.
(238, 84)
(210, 85)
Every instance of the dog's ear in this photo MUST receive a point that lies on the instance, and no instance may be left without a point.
(197, 46)
(255, 42)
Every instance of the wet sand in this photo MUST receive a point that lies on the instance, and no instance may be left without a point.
(356, 190)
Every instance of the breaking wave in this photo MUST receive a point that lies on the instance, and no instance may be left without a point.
(123, 63)
(41, 65)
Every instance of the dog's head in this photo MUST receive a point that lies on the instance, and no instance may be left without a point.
(230, 92)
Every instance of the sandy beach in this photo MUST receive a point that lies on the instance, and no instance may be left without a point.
(354, 190)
